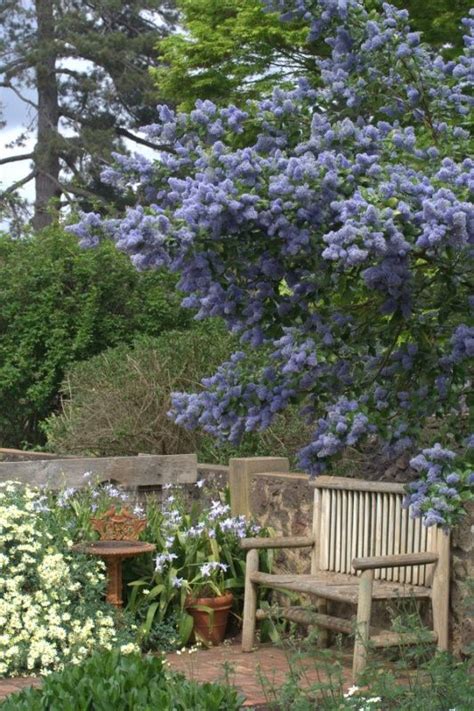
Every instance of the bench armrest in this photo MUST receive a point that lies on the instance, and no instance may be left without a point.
(394, 561)
(286, 542)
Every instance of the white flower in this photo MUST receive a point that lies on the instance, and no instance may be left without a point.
(42, 625)
(163, 558)
(218, 509)
(177, 582)
(351, 691)
(129, 648)
(200, 483)
(207, 568)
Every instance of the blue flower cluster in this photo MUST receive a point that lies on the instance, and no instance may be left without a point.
(335, 238)
(443, 488)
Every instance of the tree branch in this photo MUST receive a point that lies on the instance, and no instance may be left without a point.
(143, 141)
(74, 190)
(8, 85)
(18, 184)
(12, 159)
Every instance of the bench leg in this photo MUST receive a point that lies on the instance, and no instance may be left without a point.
(322, 607)
(440, 594)
(250, 602)
(364, 608)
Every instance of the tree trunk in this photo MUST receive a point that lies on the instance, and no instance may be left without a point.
(46, 149)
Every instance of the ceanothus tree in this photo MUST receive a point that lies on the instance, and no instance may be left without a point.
(331, 229)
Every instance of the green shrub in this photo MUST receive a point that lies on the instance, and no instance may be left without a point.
(117, 402)
(123, 683)
(61, 304)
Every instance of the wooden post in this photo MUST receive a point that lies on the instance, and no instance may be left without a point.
(240, 478)
(364, 608)
(250, 602)
(440, 593)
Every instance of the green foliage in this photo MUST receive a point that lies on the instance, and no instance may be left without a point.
(124, 683)
(198, 555)
(233, 50)
(62, 304)
(439, 20)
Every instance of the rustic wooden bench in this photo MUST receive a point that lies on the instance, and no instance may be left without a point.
(364, 546)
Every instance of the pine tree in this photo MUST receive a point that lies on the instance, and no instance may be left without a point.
(86, 65)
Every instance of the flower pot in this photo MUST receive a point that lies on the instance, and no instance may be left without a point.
(210, 616)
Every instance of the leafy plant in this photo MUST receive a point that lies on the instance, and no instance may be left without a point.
(126, 682)
(198, 554)
(116, 403)
(60, 305)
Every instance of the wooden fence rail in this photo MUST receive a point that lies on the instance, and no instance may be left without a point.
(130, 472)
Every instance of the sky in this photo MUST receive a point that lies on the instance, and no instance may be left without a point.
(16, 115)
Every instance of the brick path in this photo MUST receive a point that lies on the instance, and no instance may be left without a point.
(244, 671)
(9, 686)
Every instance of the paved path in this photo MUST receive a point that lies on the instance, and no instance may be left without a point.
(9, 686)
(256, 675)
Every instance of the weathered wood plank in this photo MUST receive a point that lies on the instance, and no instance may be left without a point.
(283, 542)
(440, 595)
(151, 470)
(304, 584)
(305, 616)
(347, 484)
(250, 602)
(393, 561)
(364, 608)
(394, 639)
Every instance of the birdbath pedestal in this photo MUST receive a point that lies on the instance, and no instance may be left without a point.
(113, 553)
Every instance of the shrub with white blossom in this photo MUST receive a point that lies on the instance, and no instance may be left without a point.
(331, 226)
(51, 609)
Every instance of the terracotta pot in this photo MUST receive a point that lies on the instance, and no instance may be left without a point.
(210, 626)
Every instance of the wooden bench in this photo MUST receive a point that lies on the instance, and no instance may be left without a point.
(364, 547)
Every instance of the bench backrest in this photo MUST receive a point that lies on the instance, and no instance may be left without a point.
(354, 518)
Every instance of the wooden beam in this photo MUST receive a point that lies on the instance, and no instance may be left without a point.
(305, 616)
(283, 542)
(364, 608)
(395, 639)
(347, 484)
(152, 470)
(394, 561)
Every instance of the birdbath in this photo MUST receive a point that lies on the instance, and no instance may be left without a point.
(118, 540)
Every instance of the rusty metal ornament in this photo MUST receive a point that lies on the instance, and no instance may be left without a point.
(118, 526)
